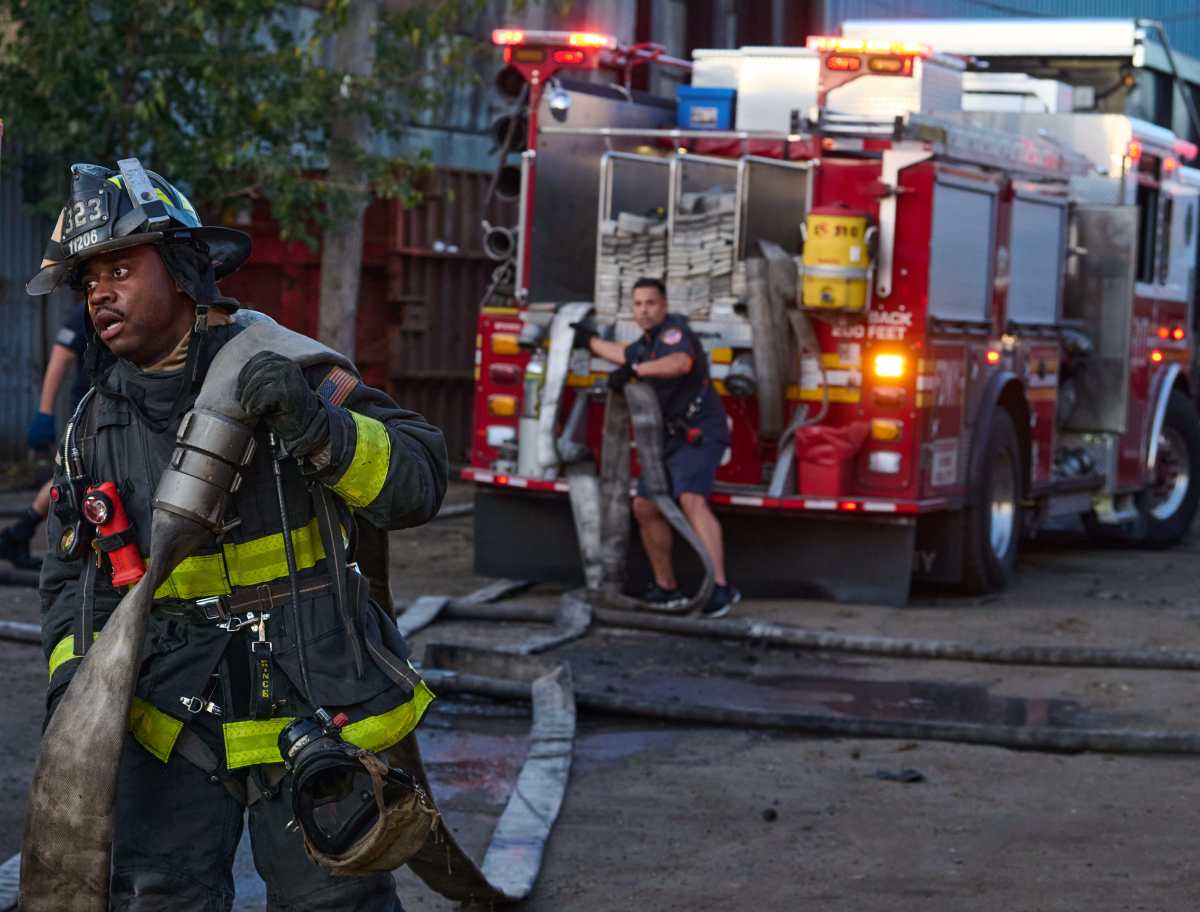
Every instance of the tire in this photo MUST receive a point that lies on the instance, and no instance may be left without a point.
(993, 520)
(1168, 506)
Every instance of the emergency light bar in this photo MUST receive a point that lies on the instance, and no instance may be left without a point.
(510, 37)
(865, 46)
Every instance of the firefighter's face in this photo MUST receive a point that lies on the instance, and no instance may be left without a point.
(649, 308)
(137, 310)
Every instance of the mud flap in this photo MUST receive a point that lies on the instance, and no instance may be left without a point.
(938, 557)
(818, 557)
(770, 555)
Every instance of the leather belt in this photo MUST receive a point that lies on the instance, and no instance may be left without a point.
(220, 609)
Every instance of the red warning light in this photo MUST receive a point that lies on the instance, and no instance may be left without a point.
(1156, 356)
(569, 57)
(843, 63)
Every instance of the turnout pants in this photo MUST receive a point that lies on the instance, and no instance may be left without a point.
(177, 832)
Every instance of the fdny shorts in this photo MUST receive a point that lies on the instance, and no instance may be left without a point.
(692, 469)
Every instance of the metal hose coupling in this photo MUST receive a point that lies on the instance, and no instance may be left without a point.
(211, 450)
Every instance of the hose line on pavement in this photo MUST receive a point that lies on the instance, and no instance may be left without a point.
(766, 633)
(1019, 737)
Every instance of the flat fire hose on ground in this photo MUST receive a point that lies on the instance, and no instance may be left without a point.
(476, 681)
(601, 507)
(513, 857)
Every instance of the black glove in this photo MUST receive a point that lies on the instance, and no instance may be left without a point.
(618, 378)
(585, 332)
(274, 388)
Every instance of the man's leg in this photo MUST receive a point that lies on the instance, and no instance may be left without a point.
(656, 539)
(295, 883)
(708, 529)
(176, 836)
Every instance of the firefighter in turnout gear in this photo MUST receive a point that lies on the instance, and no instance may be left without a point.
(221, 667)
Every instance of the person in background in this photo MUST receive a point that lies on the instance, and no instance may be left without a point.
(670, 358)
(68, 349)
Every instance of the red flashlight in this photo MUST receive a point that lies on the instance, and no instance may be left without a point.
(102, 507)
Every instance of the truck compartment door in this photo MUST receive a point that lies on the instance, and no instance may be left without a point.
(1098, 299)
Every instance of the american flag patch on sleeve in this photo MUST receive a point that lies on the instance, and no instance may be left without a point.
(337, 385)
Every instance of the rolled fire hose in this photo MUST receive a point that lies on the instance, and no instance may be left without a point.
(600, 507)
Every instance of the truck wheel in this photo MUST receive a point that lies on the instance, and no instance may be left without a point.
(1169, 504)
(993, 518)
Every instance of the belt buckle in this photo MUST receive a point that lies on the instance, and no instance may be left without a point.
(213, 607)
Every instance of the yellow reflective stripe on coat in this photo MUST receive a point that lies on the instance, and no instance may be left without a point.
(249, 563)
(64, 652)
(153, 728)
(368, 470)
(251, 742)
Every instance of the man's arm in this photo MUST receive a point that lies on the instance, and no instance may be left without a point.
(386, 462)
(609, 351)
(61, 359)
(676, 364)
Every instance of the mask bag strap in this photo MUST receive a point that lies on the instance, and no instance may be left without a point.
(325, 506)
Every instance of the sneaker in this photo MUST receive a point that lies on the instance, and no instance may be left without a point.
(665, 598)
(722, 599)
(15, 550)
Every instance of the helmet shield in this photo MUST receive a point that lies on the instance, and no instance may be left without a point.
(109, 210)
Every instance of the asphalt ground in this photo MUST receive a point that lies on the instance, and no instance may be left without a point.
(680, 817)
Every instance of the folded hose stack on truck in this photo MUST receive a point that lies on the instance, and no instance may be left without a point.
(934, 330)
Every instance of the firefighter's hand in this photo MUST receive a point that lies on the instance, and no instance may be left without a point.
(585, 332)
(618, 378)
(41, 434)
(274, 388)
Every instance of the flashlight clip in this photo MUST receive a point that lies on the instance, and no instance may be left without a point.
(236, 623)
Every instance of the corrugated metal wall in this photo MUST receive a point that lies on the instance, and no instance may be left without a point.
(434, 293)
(424, 274)
(27, 325)
(1180, 17)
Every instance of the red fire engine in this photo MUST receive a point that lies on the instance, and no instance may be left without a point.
(998, 308)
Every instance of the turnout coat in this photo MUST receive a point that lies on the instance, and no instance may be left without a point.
(383, 465)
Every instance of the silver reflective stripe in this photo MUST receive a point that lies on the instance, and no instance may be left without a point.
(561, 336)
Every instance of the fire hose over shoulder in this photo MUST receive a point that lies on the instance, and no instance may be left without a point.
(69, 828)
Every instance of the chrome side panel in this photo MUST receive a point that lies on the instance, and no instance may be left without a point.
(566, 198)
(1099, 299)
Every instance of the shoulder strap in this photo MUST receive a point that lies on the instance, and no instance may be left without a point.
(74, 444)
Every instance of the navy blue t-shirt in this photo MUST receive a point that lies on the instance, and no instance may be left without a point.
(676, 394)
(74, 336)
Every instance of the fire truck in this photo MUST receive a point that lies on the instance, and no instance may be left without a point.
(987, 329)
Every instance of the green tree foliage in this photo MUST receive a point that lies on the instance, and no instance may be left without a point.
(233, 99)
